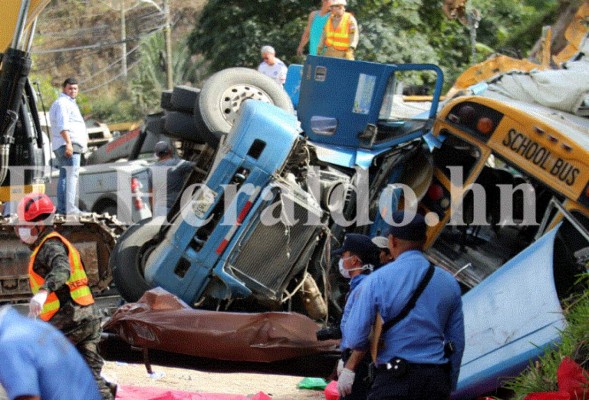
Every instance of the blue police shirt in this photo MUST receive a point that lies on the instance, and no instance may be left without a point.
(419, 337)
(352, 296)
(37, 360)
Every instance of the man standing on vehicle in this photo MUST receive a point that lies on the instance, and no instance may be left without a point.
(340, 35)
(423, 324)
(59, 284)
(358, 256)
(69, 139)
(166, 178)
(314, 29)
(272, 66)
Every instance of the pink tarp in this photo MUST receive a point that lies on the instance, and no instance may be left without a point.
(151, 393)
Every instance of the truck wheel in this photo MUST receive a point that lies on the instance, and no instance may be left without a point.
(110, 207)
(181, 125)
(166, 100)
(184, 98)
(223, 93)
(128, 258)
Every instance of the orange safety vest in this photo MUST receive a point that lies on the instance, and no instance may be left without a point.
(77, 282)
(339, 39)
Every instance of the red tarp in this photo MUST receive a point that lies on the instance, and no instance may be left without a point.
(159, 320)
(151, 393)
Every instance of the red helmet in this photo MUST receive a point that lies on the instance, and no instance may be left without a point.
(34, 207)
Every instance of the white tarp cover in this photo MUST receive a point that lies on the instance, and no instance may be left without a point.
(565, 89)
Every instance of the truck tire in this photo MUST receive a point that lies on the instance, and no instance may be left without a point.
(184, 98)
(223, 93)
(166, 100)
(181, 125)
(128, 258)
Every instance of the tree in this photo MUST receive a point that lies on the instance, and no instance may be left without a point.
(231, 33)
(149, 80)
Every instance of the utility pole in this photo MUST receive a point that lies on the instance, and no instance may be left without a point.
(167, 33)
(168, 38)
(124, 39)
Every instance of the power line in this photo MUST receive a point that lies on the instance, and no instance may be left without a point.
(98, 45)
(119, 75)
(109, 67)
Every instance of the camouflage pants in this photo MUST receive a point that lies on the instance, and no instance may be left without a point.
(86, 337)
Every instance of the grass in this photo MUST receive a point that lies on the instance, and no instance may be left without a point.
(541, 375)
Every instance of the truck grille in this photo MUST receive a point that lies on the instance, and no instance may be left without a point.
(272, 254)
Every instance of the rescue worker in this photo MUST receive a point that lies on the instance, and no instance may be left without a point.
(358, 256)
(61, 295)
(340, 34)
(423, 329)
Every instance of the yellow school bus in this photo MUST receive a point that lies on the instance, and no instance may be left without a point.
(505, 172)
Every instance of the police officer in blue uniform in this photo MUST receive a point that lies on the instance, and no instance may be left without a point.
(357, 258)
(421, 353)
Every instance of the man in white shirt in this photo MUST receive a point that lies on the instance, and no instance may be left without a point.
(272, 66)
(69, 139)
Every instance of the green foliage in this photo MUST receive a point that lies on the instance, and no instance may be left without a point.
(511, 27)
(541, 376)
(116, 107)
(231, 32)
(150, 78)
(46, 92)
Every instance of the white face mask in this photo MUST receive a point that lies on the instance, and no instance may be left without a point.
(342, 270)
(346, 272)
(24, 233)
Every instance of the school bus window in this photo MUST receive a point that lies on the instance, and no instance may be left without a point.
(456, 152)
(487, 234)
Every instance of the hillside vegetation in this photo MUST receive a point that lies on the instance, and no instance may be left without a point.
(86, 39)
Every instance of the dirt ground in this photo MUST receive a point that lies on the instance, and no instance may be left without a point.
(279, 387)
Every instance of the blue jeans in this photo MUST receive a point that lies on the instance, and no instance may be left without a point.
(67, 184)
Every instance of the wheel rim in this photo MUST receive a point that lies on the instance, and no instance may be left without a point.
(234, 96)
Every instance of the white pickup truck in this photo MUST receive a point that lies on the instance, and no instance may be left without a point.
(113, 188)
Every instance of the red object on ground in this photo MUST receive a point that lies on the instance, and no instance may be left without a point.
(151, 393)
(572, 379)
(261, 396)
(548, 396)
(331, 391)
(572, 383)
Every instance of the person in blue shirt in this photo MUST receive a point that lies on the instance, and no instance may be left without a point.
(69, 140)
(358, 256)
(38, 362)
(421, 354)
